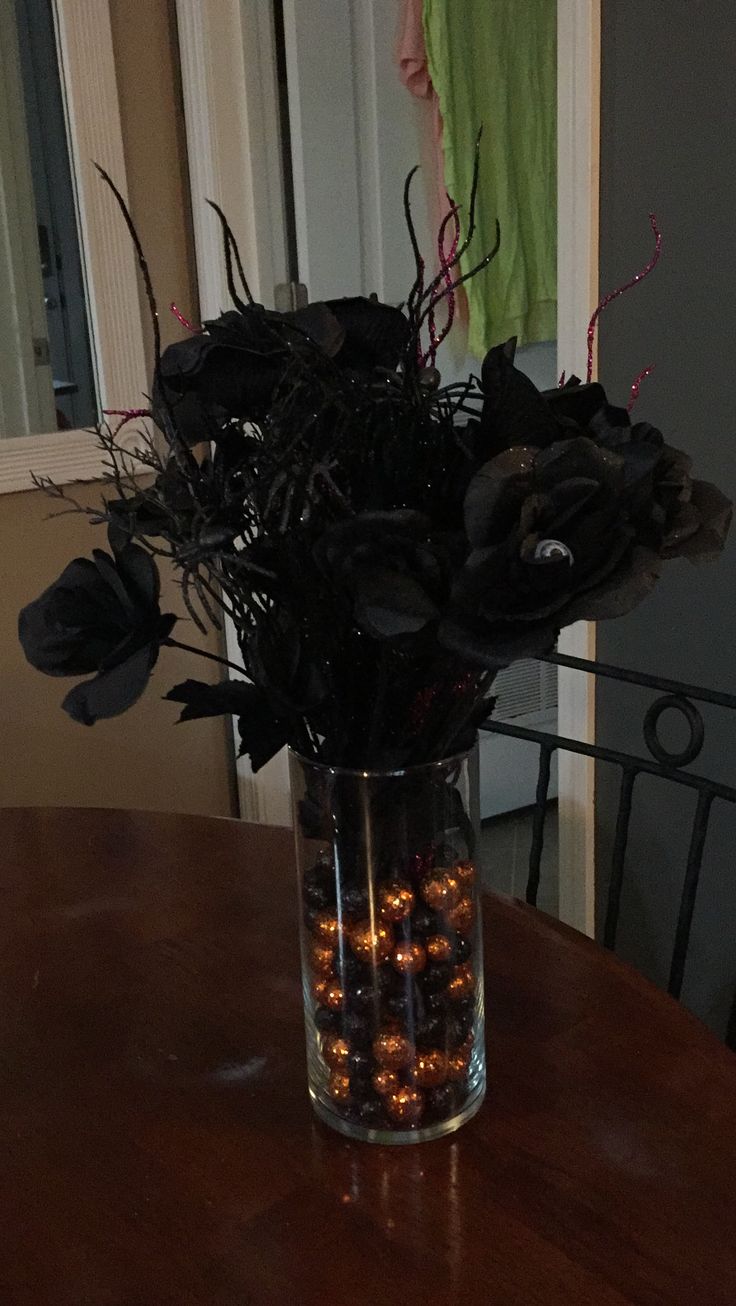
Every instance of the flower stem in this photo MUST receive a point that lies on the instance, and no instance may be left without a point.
(202, 653)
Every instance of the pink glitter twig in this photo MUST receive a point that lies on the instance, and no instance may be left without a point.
(636, 386)
(126, 415)
(445, 260)
(615, 293)
(561, 381)
(188, 326)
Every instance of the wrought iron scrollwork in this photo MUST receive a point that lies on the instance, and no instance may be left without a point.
(664, 762)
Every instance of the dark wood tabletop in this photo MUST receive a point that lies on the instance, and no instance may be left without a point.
(157, 1144)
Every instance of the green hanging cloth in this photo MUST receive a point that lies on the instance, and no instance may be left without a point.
(494, 62)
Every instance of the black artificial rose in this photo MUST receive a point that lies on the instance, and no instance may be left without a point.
(232, 369)
(387, 568)
(102, 615)
(550, 542)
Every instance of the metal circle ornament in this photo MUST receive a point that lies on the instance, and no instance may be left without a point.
(686, 755)
(553, 551)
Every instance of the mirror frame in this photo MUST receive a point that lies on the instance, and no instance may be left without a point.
(89, 88)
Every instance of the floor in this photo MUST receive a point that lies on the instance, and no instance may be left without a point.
(504, 856)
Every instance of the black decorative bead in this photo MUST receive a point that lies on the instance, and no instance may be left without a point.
(431, 1032)
(328, 1022)
(351, 969)
(462, 948)
(358, 1030)
(400, 1004)
(424, 921)
(435, 1002)
(361, 998)
(371, 1114)
(360, 1066)
(441, 1102)
(436, 977)
(319, 887)
(354, 903)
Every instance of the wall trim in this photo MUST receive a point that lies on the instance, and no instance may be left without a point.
(578, 181)
(87, 63)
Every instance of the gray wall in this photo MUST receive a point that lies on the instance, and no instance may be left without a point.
(669, 145)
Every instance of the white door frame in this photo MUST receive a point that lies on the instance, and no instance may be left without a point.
(231, 115)
(87, 69)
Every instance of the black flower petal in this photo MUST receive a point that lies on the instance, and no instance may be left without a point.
(262, 732)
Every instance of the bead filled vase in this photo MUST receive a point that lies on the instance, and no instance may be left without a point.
(391, 947)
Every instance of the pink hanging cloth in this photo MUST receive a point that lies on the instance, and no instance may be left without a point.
(411, 57)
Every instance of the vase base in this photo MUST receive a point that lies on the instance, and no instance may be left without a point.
(400, 1137)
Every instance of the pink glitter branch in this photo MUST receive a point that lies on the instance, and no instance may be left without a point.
(446, 260)
(126, 415)
(561, 381)
(184, 321)
(636, 386)
(615, 293)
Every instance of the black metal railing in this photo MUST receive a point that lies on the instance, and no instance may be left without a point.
(664, 763)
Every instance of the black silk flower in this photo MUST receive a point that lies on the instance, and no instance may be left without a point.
(233, 368)
(571, 519)
(102, 615)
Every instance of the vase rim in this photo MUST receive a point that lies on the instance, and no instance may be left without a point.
(367, 773)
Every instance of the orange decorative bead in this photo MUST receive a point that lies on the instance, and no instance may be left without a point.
(405, 1107)
(457, 1065)
(441, 890)
(334, 997)
(465, 872)
(327, 928)
(321, 959)
(409, 958)
(396, 902)
(319, 989)
(371, 944)
(338, 1086)
(336, 1052)
(461, 916)
(392, 1050)
(462, 984)
(439, 948)
(386, 1081)
(430, 1068)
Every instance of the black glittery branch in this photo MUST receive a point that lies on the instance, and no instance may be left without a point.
(143, 265)
(231, 249)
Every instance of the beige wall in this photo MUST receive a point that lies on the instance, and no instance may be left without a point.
(141, 759)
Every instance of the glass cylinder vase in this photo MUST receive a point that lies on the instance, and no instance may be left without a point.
(391, 948)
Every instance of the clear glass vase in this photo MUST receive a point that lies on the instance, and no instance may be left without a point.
(391, 948)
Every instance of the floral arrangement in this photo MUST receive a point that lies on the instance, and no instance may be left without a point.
(382, 544)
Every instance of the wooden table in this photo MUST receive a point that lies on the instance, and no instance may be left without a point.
(157, 1145)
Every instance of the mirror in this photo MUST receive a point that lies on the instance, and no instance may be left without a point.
(47, 369)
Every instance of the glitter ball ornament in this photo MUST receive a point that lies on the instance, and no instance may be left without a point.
(457, 1065)
(441, 1102)
(439, 947)
(326, 927)
(462, 984)
(396, 901)
(335, 996)
(436, 976)
(405, 1106)
(441, 890)
(409, 958)
(371, 1114)
(321, 959)
(465, 873)
(338, 1086)
(336, 1052)
(430, 1068)
(392, 1050)
(425, 921)
(386, 1081)
(371, 944)
(319, 989)
(461, 916)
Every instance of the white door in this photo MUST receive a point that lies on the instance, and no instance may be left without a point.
(355, 132)
(26, 390)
